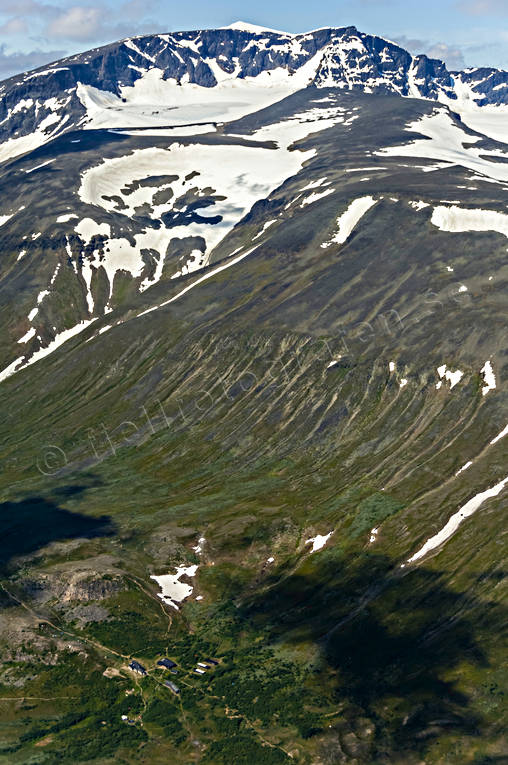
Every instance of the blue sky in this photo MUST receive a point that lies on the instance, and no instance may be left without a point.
(461, 32)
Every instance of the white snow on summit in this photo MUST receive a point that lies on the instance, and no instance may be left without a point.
(243, 26)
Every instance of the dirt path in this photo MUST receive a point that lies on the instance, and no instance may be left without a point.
(153, 597)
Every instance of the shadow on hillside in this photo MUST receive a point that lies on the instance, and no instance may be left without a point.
(390, 643)
(34, 522)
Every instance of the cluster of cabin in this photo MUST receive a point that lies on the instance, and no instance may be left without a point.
(204, 665)
(201, 669)
(137, 668)
(168, 664)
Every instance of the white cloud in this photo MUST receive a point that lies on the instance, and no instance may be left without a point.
(92, 23)
(77, 23)
(101, 21)
(12, 63)
(14, 26)
(452, 55)
(27, 8)
(53, 26)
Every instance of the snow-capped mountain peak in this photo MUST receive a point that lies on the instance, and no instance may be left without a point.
(255, 29)
(169, 79)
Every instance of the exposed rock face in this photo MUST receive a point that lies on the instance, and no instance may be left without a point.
(86, 588)
(80, 586)
(489, 86)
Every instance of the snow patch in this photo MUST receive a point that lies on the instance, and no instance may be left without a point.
(453, 377)
(265, 228)
(173, 590)
(315, 196)
(153, 100)
(88, 228)
(59, 340)
(318, 542)
(28, 336)
(450, 144)
(501, 435)
(348, 220)
(453, 524)
(460, 219)
(198, 549)
(232, 177)
(243, 26)
(419, 205)
(38, 167)
(66, 217)
(489, 378)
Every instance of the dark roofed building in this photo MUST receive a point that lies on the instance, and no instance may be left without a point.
(212, 661)
(137, 667)
(172, 687)
(166, 663)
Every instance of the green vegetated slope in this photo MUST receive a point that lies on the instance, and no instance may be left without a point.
(222, 416)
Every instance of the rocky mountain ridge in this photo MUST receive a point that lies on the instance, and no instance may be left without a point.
(39, 105)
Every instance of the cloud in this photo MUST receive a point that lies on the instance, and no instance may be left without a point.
(60, 28)
(28, 9)
(484, 7)
(99, 22)
(76, 23)
(14, 26)
(452, 55)
(13, 63)
(91, 23)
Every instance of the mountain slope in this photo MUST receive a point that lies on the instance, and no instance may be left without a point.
(132, 210)
(253, 377)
